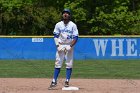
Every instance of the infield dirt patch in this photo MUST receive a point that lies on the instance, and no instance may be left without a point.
(40, 85)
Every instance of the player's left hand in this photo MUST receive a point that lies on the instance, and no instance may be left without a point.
(68, 48)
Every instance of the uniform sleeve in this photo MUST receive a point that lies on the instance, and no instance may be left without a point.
(75, 31)
(56, 30)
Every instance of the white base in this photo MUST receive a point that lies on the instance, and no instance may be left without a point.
(70, 88)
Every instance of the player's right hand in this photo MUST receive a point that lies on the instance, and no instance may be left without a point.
(59, 47)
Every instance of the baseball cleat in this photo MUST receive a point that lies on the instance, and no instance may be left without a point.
(53, 84)
(66, 84)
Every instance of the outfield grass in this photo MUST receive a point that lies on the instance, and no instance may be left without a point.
(122, 69)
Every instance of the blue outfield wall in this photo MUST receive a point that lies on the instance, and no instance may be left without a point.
(85, 49)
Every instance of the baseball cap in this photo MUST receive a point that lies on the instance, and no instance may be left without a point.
(66, 10)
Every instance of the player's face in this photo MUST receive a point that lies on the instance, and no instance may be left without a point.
(66, 16)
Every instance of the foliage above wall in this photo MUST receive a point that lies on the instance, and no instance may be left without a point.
(93, 17)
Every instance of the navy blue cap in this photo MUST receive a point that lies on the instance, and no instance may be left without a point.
(67, 10)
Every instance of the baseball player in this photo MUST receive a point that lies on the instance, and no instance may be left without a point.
(65, 37)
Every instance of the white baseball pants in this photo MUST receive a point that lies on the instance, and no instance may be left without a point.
(62, 56)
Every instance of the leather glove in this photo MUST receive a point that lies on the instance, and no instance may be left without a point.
(61, 48)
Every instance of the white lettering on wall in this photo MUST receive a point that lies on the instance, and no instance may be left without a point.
(119, 47)
(116, 47)
(131, 51)
(100, 45)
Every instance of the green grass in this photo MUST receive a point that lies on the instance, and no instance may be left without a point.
(105, 69)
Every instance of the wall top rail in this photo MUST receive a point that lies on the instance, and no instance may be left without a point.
(82, 36)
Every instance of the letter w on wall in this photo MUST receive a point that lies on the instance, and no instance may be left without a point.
(100, 45)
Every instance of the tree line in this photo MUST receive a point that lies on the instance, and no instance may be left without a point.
(93, 17)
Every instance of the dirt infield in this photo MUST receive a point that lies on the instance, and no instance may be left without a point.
(40, 85)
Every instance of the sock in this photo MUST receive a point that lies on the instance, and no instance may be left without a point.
(68, 73)
(56, 73)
